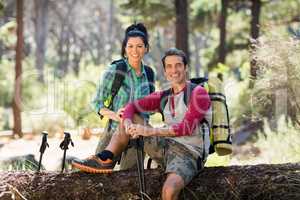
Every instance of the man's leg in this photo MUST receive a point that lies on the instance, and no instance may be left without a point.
(181, 166)
(159, 149)
(172, 187)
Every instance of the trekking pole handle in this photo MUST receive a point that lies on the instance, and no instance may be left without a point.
(44, 144)
(64, 145)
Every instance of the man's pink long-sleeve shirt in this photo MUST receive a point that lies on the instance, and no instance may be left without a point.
(196, 109)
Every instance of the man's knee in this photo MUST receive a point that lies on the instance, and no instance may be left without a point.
(172, 186)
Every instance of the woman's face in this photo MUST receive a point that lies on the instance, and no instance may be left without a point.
(135, 49)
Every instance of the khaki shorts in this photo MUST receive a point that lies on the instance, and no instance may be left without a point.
(174, 157)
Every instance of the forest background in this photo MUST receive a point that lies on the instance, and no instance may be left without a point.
(52, 54)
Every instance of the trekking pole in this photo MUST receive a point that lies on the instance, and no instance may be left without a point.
(43, 147)
(140, 165)
(64, 145)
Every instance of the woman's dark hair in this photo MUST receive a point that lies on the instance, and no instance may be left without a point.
(135, 30)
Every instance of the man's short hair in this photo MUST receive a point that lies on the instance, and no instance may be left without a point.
(174, 52)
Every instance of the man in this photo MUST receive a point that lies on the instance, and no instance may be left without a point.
(178, 146)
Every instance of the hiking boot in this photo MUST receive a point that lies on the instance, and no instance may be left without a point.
(94, 164)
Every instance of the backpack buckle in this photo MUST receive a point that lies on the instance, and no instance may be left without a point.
(108, 101)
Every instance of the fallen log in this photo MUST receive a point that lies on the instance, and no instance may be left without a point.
(281, 181)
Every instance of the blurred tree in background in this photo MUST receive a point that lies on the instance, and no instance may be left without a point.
(74, 40)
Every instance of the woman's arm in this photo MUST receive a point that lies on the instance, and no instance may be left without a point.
(116, 116)
(103, 92)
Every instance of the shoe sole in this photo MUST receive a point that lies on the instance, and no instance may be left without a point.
(91, 170)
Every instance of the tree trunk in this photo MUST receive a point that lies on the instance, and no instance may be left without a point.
(230, 183)
(16, 102)
(222, 27)
(255, 13)
(182, 32)
(65, 40)
(110, 31)
(41, 29)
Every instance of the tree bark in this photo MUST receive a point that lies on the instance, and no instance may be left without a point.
(234, 182)
(222, 27)
(16, 102)
(255, 13)
(182, 32)
(110, 31)
(41, 29)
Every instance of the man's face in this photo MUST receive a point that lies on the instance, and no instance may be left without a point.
(175, 71)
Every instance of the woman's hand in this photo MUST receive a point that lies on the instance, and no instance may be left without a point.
(116, 116)
(119, 114)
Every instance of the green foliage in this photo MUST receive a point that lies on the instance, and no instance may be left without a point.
(19, 163)
(280, 11)
(240, 112)
(79, 92)
(8, 34)
(275, 147)
(203, 12)
(6, 80)
(33, 91)
(151, 12)
(281, 146)
(1, 7)
(278, 81)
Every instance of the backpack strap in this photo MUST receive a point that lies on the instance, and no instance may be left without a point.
(119, 78)
(188, 92)
(150, 77)
(166, 93)
(199, 81)
(163, 101)
(117, 82)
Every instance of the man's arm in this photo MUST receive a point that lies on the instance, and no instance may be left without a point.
(136, 130)
(197, 108)
(150, 103)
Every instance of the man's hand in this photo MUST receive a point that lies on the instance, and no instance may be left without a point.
(136, 130)
(127, 123)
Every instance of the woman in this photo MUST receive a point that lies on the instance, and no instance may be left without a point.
(137, 83)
